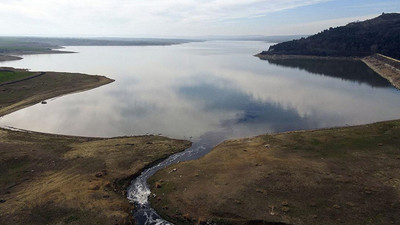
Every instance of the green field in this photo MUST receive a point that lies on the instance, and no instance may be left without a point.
(7, 76)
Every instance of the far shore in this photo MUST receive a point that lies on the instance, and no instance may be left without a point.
(385, 66)
(12, 56)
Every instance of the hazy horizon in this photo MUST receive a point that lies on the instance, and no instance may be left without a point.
(182, 18)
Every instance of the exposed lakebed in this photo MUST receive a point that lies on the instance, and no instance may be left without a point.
(206, 92)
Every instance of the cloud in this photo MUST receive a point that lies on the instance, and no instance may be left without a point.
(132, 17)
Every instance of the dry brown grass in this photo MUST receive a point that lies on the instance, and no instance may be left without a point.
(50, 179)
(53, 179)
(52, 84)
(334, 176)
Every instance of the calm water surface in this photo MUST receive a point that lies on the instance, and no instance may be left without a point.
(206, 92)
(205, 89)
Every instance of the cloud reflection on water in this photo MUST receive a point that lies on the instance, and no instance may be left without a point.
(197, 89)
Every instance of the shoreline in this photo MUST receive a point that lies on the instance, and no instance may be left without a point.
(52, 178)
(266, 57)
(5, 58)
(286, 177)
(90, 82)
(386, 67)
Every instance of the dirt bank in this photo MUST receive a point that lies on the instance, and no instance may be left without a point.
(345, 175)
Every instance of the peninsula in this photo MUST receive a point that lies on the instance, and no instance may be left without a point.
(373, 41)
(56, 179)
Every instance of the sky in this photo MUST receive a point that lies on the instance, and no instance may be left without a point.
(175, 18)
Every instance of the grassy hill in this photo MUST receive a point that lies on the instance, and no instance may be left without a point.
(378, 35)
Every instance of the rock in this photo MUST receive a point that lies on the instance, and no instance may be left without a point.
(285, 209)
(267, 146)
(186, 216)
(350, 204)
(108, 184)
(285, 203)
(260, 191)
(201, 221)
(157, 185)
(44, 102)
(95, 188)
(271, 211)
(99, 174)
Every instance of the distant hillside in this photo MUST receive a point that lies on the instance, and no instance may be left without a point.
(39, 45)
(378, 35)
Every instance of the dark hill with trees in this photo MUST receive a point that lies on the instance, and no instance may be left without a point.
(378, 35)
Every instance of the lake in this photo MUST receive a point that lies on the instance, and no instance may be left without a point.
(205, 90)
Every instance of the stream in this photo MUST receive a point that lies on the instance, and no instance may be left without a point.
(210, 91)
(139, 191)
